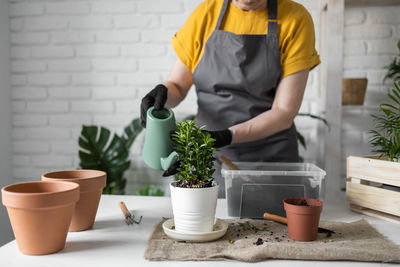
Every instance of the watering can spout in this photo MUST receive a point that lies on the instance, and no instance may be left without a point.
(169, 161)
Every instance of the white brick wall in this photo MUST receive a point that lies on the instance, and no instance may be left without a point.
(90, 62)
(371, 35)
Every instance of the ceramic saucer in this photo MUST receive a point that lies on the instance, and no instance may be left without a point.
(220, 228)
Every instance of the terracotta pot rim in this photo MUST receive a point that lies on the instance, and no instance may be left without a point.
(6, 188)
(91, 183)
(53, 175)
(39, 200)
(298, 209)
(288, 200)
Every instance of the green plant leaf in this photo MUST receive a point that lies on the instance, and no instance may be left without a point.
(315, 117)
(190, 118)
(389, 106)
(397, 86)
(195, 150)
(88, 161)
(131, 131)
(301, 140)
(94, 153)
(386, 111)
(393, 68)
(116, 146)
(150, 190)
(385, 137)
(394, 99)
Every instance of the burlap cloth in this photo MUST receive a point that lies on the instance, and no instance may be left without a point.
(356, 241)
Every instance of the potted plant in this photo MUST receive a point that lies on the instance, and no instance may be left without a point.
(194, 192)
(379, 198)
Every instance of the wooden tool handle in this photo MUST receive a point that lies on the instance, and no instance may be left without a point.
(228, 163)
(126, 212)
(275, 218)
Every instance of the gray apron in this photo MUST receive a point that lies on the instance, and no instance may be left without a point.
(236, 80)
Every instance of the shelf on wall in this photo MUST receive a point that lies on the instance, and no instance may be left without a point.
(359, 107)
(358, 3)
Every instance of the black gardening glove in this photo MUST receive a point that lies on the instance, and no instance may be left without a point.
(172, 170)
(157, 98)
(222, 138)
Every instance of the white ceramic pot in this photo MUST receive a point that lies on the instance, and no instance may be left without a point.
(194, 208)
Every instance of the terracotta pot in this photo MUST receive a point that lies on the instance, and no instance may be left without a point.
(91, 184)
(303, 219)
(40, 214)
(353, 91)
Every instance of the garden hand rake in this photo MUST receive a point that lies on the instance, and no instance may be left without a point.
(129, 217)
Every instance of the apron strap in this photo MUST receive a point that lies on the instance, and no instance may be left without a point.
(222, 13)
(272, 17)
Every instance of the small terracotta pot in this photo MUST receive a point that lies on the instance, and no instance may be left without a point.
(303, 219)
(40, 214)
(91, 184)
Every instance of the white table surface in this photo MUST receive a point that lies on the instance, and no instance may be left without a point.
(112, 243)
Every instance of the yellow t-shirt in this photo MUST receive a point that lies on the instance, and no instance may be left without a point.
(295, 32)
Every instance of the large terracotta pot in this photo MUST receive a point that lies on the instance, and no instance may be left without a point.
(40, 214)
(303, 217)
(91, 184)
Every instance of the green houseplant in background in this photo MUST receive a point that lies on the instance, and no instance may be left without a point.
(99, 150)
(386, 134)
(394, 67)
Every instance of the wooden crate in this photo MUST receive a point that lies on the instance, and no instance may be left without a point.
(367, 177)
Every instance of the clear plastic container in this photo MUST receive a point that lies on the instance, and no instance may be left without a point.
(260, 187)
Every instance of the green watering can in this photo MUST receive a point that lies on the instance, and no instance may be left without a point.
(158, 150)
